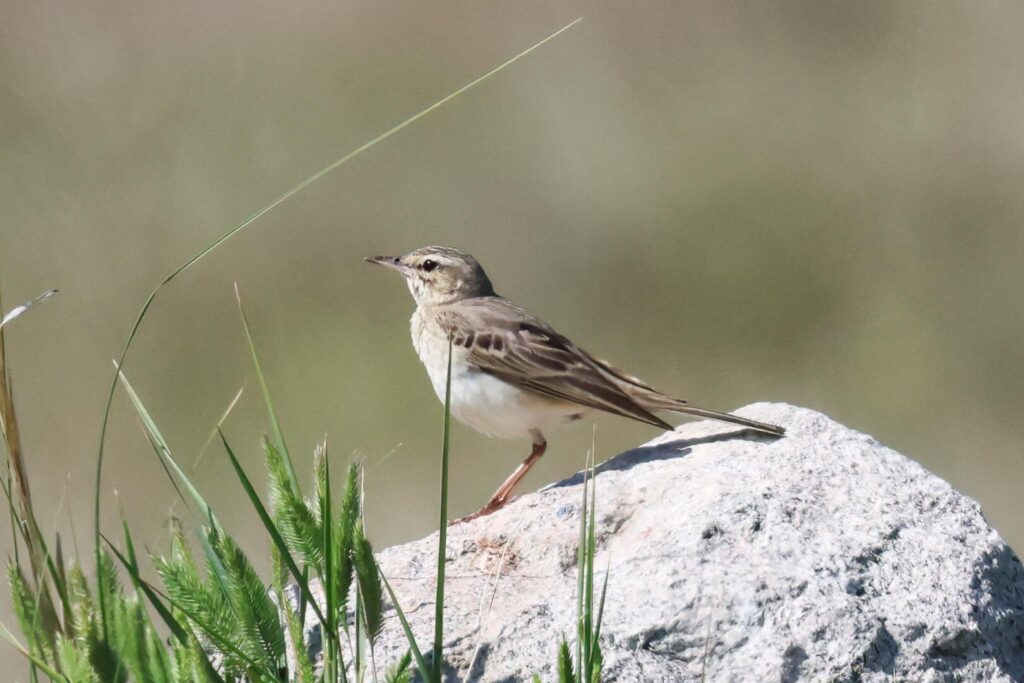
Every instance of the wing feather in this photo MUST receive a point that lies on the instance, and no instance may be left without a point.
(525, 351)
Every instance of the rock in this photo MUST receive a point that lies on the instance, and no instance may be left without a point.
(733, 557)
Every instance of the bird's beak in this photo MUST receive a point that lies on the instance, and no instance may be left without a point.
(393, 262)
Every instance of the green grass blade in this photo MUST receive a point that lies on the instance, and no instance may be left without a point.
(130, 635)
(60, 581)
(371, 597)
(131, 566)
(129, 546)
(596, 665)
(163, 451)
(421, 663)
(216, 572)
(588, 595)
(218, 425)
(303, 671)
(600, 606)
(275, 424)
(36, 661)
(580, 556)
(442, 533)
(400, 672)
(357, 644)
(159, 657)
(322, 481)
(109, 663)
(98, 484)
(565, 670)
(300, 578)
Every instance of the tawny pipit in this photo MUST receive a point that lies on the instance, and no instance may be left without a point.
(513, 376)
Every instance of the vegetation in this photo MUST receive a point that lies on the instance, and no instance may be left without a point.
(214, 619)
(225, 622)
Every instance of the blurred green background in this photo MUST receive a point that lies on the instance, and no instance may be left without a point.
(819, 203)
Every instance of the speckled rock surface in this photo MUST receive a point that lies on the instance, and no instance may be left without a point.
(819, 556)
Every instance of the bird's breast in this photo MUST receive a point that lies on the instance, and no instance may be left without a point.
(431, 344)
(480, 400)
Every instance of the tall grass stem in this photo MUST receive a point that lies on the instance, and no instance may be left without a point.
(442, 532)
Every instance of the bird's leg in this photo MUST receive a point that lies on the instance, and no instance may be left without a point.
(501, 496)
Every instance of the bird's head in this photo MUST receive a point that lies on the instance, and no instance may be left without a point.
(439, 275)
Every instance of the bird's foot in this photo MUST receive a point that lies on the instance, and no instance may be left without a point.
(493, 505)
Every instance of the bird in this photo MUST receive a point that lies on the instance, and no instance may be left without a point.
(512, 374)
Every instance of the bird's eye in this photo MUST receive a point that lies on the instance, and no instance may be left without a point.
(429, 265)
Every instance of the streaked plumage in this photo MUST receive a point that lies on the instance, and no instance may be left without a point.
(513, 375)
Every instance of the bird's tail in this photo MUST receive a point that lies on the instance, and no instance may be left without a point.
(680, 407)
(650, 399)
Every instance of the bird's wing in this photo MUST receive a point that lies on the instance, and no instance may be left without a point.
(503, 340)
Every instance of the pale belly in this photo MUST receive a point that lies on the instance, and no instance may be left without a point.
(503, 411)
(487, 404)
